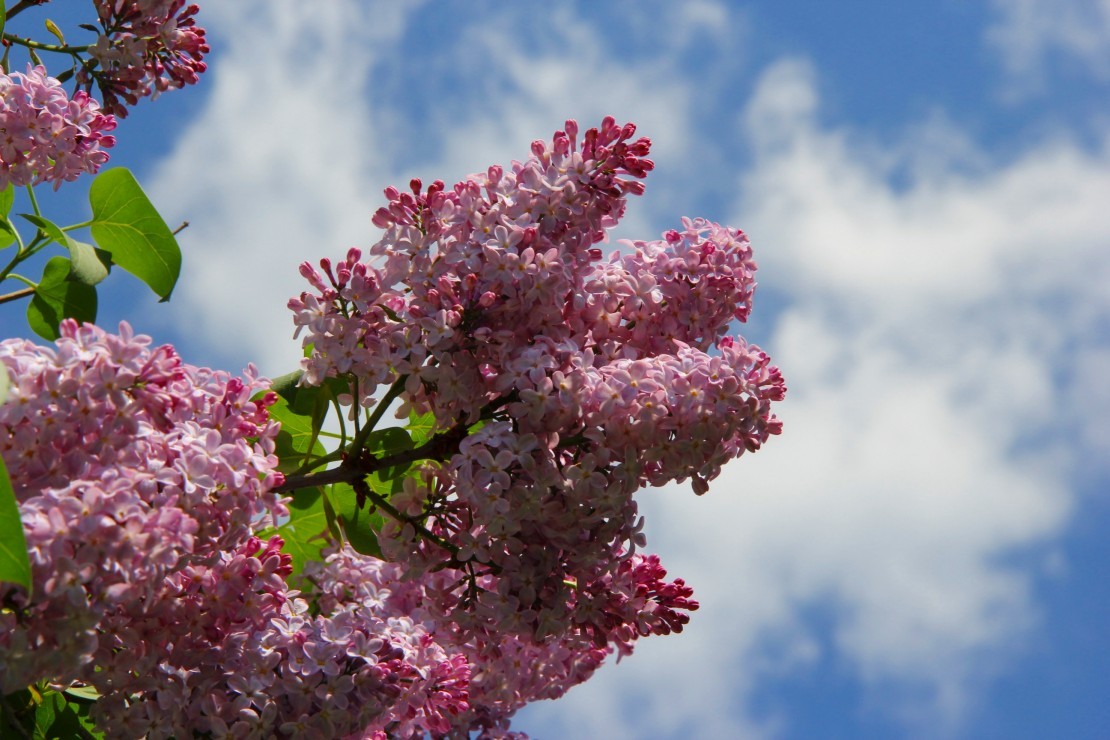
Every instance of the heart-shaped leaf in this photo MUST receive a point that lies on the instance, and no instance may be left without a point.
(126, 225)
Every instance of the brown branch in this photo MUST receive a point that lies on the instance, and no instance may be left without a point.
(184, 225)
(21, 6)
(16, 295)
(357, 468)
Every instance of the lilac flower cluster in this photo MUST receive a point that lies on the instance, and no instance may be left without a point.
(504, 672)
(491, 303)
(46, 136)
(129, 466)
(140, 480)
(246, 657)
(147, 47)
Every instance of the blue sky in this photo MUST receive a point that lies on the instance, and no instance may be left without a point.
(923, 552)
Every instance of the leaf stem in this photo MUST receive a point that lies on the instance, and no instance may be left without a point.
(32, 44)
(34, 201)
(363, 434)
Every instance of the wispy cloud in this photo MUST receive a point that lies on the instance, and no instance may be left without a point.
(1028, 34)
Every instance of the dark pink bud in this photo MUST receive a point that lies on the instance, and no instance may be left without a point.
(381, 218)
(560, 143)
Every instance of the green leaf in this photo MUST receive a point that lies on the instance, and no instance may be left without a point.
(46, 226)
(286, 385)
(15, 565)
(309, 400)
(5, 382)
(7, 197)
(87, 724)
(383, 442)
(297, 442)
(56, 719)
(45, 712)
(301, 411)
(307, 532)
(81, 693)
(90, 265)
(421, 427)
(52, 27)
(316, 399)
(389, 440)
(7, 232)
(58, 297)
(359, 526)
(126, 225)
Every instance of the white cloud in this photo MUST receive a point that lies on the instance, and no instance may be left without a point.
(926, 323)
(276, 169)
(1027, 32)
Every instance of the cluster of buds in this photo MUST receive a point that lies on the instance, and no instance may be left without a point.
(145, 47)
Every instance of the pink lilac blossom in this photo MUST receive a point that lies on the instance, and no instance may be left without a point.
(146, 48)
(490, 302)
(503, 672)
(235, 653)
(249, 658)
(46, 136)
(140, 480)
(130, 467)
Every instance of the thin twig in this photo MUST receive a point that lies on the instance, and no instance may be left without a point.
(16, 295)
(20, 7)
